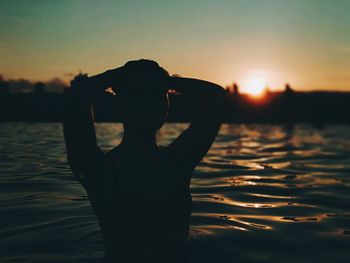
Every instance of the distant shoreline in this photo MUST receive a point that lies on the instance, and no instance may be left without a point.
(287, 107)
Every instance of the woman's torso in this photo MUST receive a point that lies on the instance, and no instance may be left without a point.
(143, 202)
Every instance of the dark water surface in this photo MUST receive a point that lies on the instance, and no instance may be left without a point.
(263, 193)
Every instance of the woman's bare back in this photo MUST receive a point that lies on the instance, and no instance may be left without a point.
(143, 202)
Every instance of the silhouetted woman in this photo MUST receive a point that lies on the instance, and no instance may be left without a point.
(140, 190)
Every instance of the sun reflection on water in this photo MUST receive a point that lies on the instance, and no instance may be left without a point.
(259, 188)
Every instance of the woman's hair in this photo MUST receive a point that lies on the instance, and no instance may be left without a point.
(145, 65)
(143, 95)
(143, 75)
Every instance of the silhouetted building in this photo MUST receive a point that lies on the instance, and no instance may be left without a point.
(39, 87)
(4, 87)
(232, 90)
(228, 90)
(235, 89)
(288, 102)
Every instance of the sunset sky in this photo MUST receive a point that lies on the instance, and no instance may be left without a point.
(303, 42)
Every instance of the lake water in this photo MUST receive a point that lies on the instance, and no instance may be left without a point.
(264, 193)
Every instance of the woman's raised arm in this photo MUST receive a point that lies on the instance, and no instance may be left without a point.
(78, 122)
(208, 101)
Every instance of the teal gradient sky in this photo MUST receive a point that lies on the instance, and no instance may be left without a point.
(304, 42)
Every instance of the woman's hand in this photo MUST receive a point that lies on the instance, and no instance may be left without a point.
(86, 89)
(135, 76)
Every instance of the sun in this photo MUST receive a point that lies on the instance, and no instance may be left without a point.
(255, 87)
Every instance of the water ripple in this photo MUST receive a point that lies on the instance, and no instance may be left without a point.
(264, 193)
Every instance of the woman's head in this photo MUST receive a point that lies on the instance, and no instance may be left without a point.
(143, 95)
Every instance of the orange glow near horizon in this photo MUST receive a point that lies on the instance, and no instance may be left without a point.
(254, 87)
(304, 43)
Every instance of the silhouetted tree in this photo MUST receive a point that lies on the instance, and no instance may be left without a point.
(267, 91)
(78, 77)
(20, 85)
(288, 90)
(55, 85)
